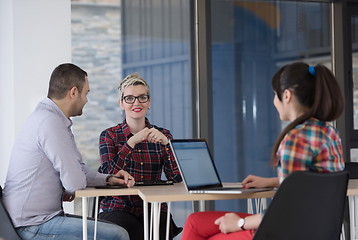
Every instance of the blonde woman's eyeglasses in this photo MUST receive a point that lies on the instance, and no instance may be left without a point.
(130, 99)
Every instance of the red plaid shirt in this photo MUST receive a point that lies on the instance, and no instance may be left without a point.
(146, 161)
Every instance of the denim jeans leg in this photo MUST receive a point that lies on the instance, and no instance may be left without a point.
(64, 228)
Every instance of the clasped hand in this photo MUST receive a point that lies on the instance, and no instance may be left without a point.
(150, 134)
(122, 178)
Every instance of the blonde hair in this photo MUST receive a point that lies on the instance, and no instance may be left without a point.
(133, 79)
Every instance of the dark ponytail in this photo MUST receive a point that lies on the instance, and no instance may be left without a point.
(315, 88)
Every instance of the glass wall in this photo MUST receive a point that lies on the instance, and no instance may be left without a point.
(156, 43)
(250, 40)
(354, 28)
(96, 49)
(111, 39)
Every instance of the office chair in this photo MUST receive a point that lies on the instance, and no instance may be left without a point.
(350, 219)
(7, 229)
(307, 206)
(352, 168)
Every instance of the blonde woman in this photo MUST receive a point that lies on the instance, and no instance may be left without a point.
(141, 149)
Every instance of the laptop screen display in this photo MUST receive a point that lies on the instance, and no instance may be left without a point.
(195, 163)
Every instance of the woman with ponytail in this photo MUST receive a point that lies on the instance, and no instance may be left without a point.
(310, 98)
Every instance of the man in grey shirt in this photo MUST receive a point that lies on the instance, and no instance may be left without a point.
(46, 167)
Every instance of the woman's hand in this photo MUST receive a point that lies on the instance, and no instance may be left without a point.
(138, 137)
(228, 223)
(155, 136)
(122, 178)
(150, 134)
(253, 181)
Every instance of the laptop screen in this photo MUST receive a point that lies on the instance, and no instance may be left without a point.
(195, 163)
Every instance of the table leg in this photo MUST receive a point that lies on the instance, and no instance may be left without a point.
(151, 224)
(95, 219)
(168, 222)
(202, 205)
(250, 208)
(145, 214)
(156, 220)
(84, 217)
(352, 215)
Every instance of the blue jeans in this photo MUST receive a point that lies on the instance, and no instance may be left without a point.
(70, 228)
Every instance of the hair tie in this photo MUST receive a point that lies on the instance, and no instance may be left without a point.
(312, 70)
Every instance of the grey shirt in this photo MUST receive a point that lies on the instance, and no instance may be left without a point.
(44, 163)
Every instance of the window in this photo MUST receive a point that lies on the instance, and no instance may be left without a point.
(250, 40)
(149, 37)
(96, 49)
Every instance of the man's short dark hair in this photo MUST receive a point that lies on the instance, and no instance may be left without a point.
(63, 78)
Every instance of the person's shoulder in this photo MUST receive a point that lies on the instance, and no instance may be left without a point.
(328, 131)
(297, 133)
(46, 117)
(49, 113)
(312, 130)
(317, 127)
(161, 129)
(113, 130)
(307, 126)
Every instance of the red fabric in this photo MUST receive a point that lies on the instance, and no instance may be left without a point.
(146, 161)
(201, 226)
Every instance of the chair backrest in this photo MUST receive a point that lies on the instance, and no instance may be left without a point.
(7, 230)
(352, 168)
(306, 206)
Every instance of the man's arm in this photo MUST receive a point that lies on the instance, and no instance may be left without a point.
(57, 141)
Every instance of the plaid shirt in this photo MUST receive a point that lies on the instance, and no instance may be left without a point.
(311, 146)
(146, 161)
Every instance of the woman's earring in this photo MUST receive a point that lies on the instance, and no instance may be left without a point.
(148, 112)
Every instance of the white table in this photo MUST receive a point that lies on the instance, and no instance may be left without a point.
(172, 193)
(156, 195)
(93, 192)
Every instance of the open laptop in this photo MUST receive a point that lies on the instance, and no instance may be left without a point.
(198, 169)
